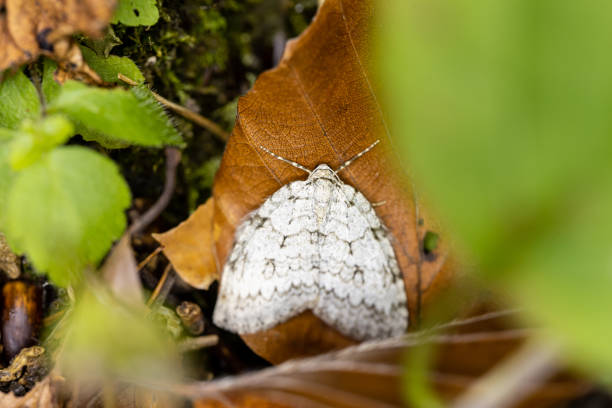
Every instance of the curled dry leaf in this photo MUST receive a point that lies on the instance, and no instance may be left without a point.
(318, 106)
(29, 28)
(190, 247)
(371, 374)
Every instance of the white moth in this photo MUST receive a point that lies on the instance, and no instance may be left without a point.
(314, 245)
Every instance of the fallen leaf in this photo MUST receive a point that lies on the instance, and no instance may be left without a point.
(29, 28)
(371, 374)
(318, 106)
(189, 247)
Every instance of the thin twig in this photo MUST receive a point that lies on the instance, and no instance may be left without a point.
(163, 287)
(196, 343)
(173, 158)
(185, 112)
(514, 378)
(54, 317)
(149, 257)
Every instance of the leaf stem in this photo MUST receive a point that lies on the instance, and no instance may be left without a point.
(184, 112)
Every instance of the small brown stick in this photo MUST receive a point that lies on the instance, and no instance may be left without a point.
(163, 287)
(52, 318)
(149, 257)
(173, 158)
(184, 112)
(196, 343)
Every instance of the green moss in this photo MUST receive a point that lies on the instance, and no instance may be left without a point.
(203, 54)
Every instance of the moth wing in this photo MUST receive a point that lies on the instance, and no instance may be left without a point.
(361, 287)
(270, 274)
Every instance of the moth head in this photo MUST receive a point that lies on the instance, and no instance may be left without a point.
(323, 171)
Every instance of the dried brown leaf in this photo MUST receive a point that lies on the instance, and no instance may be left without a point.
(189, 247)
(318, 106)
(29, 28)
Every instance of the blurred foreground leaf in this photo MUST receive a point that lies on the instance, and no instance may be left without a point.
(6, 177)
(37, 137)
(110, 342)
(504, 113)
(65, 210)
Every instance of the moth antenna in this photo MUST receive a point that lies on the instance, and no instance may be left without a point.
(358, 155)
(292, 163)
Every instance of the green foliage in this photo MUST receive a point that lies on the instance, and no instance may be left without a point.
(201, 179)
(103, 46)
(36, 138)
(50, 87)
(430, 242)
(416, 380)
(18, 100)
(167, 320)
(136, 13)
(107, 341)
(503, 108)
(109, 67)
(65, 210)
(6, 177)
(121, 116)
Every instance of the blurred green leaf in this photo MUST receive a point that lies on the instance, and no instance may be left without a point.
(504, 114)
(18, 100)
(65, 210)
(6, 178)
(109, 67)
(136, 13)
(417, 388)
(117, 115)
(50, 87)
(108, 341)
(167, 320)
(37, 137)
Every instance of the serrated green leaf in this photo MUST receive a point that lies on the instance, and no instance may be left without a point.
(136, 13)
(65, 210)
(18, 100)
(108, 68)
(50, 87)
(34, 138)
(121, 116)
